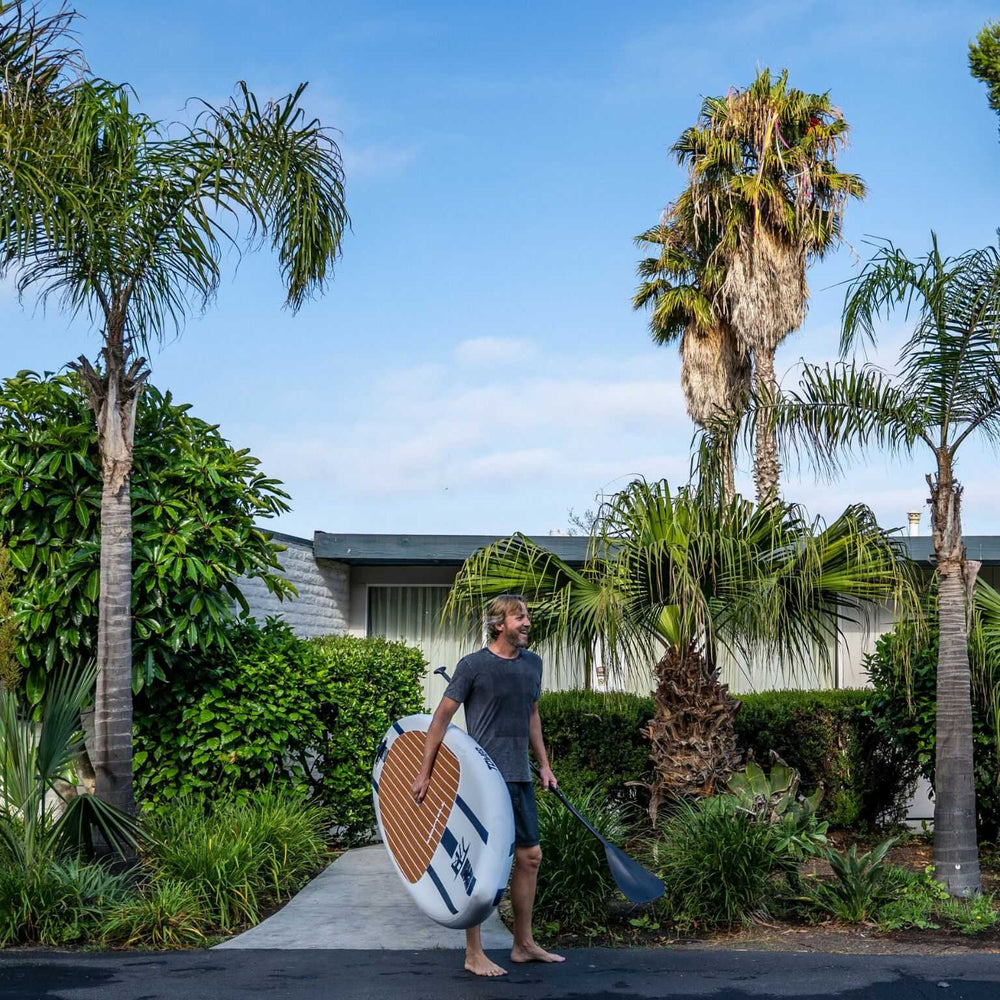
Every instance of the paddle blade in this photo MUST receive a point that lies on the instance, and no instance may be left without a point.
(637, 884)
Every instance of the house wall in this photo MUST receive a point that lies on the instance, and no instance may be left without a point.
(322, 606)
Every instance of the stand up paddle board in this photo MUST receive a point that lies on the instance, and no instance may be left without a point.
(454, 851)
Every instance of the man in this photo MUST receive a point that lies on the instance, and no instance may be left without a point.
(500, 686)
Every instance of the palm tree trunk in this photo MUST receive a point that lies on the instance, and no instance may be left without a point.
(728, 469)
(956, 853)
(114, 397)
(766, 467)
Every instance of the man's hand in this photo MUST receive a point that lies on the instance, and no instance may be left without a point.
(547, 778)
(419, 788)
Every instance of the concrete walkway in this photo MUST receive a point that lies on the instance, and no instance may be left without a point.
(360, 902)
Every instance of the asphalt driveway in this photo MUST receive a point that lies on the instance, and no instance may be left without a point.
(601, 974)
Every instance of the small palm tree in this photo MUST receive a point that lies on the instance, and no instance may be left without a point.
(947, 390)
(767, 197)
(35, 761)
(682, 578)
(135, 243)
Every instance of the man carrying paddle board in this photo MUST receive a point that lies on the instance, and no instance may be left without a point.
(500, 686)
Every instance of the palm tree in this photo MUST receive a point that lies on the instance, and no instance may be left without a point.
(947, 390)
(766, 197)
(680, 286)
(40, 67)
(137, 242)
(682, 578)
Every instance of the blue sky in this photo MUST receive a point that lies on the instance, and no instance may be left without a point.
(476, 365)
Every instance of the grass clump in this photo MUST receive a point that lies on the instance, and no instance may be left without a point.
(168, 914)
(56, 901)
(716, 863)
(238, 858)
(574, 883)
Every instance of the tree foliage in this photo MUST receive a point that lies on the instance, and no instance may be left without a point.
(984, 60)
(197, 500)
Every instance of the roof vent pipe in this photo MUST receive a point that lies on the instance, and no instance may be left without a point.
(914, 518)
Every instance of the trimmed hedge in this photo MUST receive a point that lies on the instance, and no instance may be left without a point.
(308, 713)
(595, 739)
(829, 737)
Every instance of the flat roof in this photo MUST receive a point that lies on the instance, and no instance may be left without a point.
(428, 550)
(453, 550)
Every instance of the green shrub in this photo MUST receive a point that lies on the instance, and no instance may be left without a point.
(197, 503)
(57, 902)
(830, 739)
(168, 914)
(595, 740)
(914, 898)
(862, 884)
(305, 713)
(715, 862)
(908, 720)
(237, 857)
(970, 916)
(574, 883)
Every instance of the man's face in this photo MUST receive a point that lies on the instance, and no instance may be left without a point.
(516, 626)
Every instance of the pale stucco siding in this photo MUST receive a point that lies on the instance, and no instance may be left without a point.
(322, 606)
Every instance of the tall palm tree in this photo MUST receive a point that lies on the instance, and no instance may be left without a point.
(137, 243)
(681, 578)
(765, 190)
(680, 286)
(947, 390)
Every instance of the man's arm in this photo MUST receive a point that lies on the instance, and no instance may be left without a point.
(435, 734)
(546, 776)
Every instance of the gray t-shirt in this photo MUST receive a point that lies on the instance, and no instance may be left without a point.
(498, 695)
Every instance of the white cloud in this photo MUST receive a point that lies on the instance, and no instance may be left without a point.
(439, 427)
(486, 350)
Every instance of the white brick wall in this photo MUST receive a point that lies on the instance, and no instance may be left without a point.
(323, 602)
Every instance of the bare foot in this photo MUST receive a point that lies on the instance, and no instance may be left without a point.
(533, 953)
(480, 965)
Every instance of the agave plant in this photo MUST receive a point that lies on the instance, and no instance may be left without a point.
(674, 575)
(38, 820)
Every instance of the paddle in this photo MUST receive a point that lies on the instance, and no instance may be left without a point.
(637, 884)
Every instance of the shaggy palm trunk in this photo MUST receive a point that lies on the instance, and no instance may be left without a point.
(766, 467)
(956, 854)
(114, 396)
(692, 736)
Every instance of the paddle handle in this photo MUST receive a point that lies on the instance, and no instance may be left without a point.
(572, 808)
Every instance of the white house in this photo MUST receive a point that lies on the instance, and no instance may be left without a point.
(396, 585)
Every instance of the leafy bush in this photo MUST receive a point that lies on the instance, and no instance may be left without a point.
(595, 740)
(275, 707)
(831, 740)
(861, 884)
(56, 902)
(907, 719)
(196, 503)
(574, 883)
(238, 858)
(715, 862)
(970, 916)
(168, 914)
(914, 898)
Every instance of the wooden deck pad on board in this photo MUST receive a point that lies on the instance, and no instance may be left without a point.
(413, 832)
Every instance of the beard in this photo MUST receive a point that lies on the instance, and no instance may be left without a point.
(516, 638)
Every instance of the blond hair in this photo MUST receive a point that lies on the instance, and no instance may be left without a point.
(496, 611)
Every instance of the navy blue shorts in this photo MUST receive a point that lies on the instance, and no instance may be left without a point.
(522, 798)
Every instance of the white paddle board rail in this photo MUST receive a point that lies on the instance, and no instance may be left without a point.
(454, 851)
